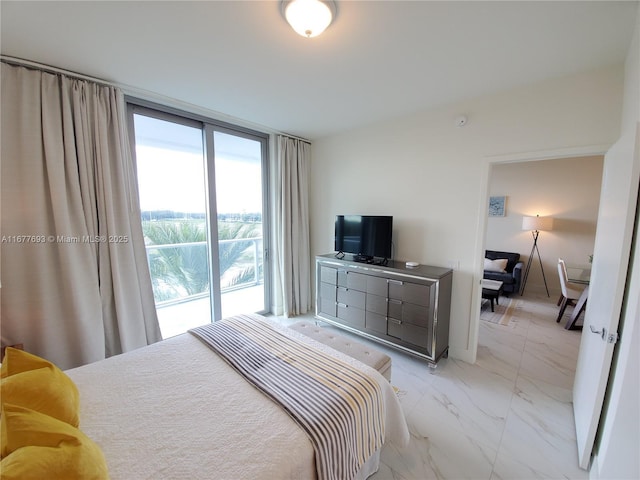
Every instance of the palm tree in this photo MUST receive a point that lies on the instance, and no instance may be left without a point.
(232, 255)
(182, 269)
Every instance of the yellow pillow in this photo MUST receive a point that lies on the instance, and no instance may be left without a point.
(46, 390)
(18, 361)
(38, 384)
(38, 446)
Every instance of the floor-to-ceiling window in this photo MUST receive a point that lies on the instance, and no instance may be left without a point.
(202, 197)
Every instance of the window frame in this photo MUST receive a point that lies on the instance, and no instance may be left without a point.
(209, 126)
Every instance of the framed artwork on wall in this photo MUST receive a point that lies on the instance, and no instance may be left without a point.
(497, 206)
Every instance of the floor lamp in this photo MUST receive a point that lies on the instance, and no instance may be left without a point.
(535, 225)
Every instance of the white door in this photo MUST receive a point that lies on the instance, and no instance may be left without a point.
(610, 261)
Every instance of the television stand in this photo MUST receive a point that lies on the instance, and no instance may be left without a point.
(401, 307)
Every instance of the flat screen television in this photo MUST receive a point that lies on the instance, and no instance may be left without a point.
(367, 237)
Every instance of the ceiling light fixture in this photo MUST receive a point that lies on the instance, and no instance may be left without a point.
(309, 18)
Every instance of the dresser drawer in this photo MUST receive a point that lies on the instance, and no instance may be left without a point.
(415, 314)
(406, 332)
(327, 300)
(410, 292)
(376, 304)
(329, 275)
(377, 286)
(350, 297)
(415, 335)
(351, 316)
(328, 291)
(375, 322)
(352, 280)
(327, 306)
(394, 327)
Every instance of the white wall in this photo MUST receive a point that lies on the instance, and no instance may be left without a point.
(432, 176)
(566, 189)
(616, 455)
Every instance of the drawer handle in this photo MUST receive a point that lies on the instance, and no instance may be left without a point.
(397, 282)
(343, 305)
(393, 320)
(393, 300)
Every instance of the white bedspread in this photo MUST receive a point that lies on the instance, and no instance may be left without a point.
(175, 410)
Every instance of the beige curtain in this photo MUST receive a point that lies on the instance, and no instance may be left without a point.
(291, 264)
(75, 279)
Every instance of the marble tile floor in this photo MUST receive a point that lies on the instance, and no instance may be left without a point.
(508, 416)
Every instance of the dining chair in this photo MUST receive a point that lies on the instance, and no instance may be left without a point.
(570, 291)
(566, 277)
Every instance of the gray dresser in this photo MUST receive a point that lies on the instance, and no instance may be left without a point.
(405, 308)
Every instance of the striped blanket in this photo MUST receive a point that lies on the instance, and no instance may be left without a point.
(340, 407)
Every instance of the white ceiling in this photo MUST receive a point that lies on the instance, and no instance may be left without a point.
(378, 60)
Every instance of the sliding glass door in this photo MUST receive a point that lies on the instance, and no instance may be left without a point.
(202, 199)
(241, 223)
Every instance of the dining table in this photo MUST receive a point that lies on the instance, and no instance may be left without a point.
(581, 275)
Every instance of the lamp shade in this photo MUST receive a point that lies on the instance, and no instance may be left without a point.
(309, 18)
(537, 223)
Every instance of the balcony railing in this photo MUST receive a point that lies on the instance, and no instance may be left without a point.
(176, 315)
(239, 265)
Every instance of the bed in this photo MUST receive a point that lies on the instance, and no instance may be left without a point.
(176, 409)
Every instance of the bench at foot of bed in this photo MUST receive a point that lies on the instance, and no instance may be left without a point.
(364, 353)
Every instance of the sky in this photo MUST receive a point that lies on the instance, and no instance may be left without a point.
(171, 172)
